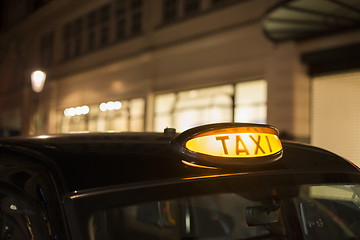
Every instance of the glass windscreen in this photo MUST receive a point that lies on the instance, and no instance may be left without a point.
(307, 212)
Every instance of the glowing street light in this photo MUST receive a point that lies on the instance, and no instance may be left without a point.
(38, 80)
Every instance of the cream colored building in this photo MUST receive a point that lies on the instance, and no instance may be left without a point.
(132, 65)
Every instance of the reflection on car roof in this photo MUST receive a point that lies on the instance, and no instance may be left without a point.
(96, 160)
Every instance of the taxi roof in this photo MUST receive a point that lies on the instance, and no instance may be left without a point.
(95, 160)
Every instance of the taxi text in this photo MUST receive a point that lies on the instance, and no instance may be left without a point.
(241, 148)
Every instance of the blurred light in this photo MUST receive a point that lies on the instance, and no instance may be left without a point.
(110, 106)
(85, 109)
(71, 112)
(13, 207)
(117, 105)
(43, 136)
(66, 112)
(103, 107)
(117, 86)
(196, 165)
(38, 80)
(77, 132)
(78, 111)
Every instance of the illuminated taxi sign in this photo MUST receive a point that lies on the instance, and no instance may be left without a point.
(231, 144)
(236, 145)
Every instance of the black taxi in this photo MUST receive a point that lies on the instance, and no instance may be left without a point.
(217, 181)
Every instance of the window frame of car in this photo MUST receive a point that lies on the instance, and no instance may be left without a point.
(82, 205)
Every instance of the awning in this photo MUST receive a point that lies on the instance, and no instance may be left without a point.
(300, 19)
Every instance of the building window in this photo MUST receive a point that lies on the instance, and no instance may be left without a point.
(170, 9)
(177, 9)
(128, 18)
(91, 40)
(46, 49)
(105, 14)
(120, 15)
(78, 36)
(251, 101)
(104, 20)
(77, 45)
(104, 35)
(72, 36)
(335, 114)
(191, 6)
(187, 109)
(101, 26)
(125, 115)
(91, 30)
(136, 16)
(67, 41)
(120, 8)
(191, 108)
(121, 28)
(91, 20)
(136, 23)
(136, 4)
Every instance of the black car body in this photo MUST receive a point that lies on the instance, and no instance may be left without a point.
(141, 186)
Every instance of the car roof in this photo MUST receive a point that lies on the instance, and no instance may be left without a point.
(95, 160)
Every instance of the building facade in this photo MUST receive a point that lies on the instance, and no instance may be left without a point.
(135, 65)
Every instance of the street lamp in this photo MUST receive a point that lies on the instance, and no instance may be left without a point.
(38, 78)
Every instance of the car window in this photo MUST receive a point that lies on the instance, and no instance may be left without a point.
(210, 216)
(20, 217)
(317, 212)
(331, 212)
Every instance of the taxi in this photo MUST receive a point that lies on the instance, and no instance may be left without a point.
(217, 181)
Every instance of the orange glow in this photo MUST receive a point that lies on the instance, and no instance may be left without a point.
(232, 143)
(197, 165)
(216, 176)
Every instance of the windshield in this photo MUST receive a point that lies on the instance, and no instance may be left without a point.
(316, 212)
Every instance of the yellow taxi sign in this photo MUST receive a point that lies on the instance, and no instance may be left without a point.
(232, 144)
(236, 145)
